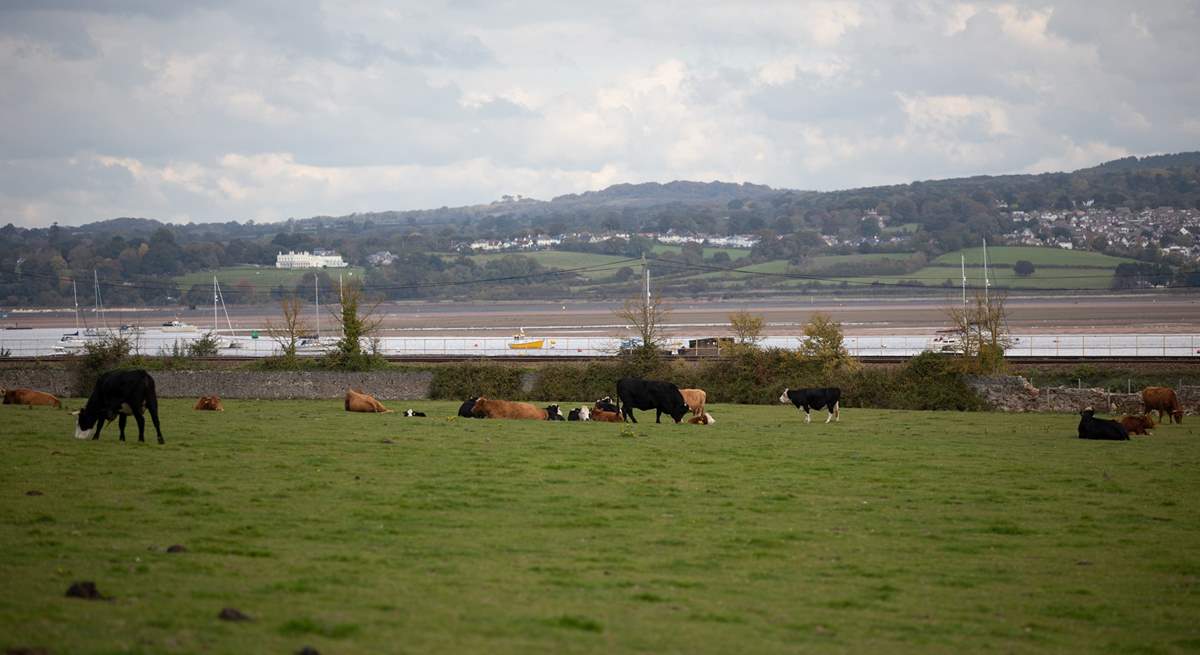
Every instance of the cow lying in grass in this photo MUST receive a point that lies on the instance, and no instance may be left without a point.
(29, 397)
(1138, 424)
(1091, 427)
(703, 419)
(507, 409)
(357, 401)
(209, 404)
(579, 414)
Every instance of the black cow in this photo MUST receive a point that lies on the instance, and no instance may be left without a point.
(465, 409)
(412, 412)
(605, 404)
(553, 414)
(1091, 427)
(807, 399)
(662, 397)
(119, 393)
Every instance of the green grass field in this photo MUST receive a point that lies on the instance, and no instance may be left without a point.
(888, 532)
(734, 253)
(565, 260)
(262, 277)
(1039, 256)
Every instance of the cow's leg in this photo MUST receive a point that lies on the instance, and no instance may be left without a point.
(627, 413)
(141, 421)
(121, 424)
(829, 408)
(807, 416)
(657, 415)
(837, 411)
(99, 424)
(152, 405)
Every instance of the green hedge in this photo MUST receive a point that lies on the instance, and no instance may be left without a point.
(463, 381)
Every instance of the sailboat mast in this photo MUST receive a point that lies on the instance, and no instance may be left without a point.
(75, 295)
(317, 299)
(964, 277)
(214, 304)
(986, 282)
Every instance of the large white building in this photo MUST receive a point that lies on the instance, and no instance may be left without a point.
(315, 259)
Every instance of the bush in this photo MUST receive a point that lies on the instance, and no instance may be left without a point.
(461, 381)
(109, 352)
(205, 346)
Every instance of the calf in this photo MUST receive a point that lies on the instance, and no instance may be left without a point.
(605, 417)
(1162, 399)
(806, 399)
(662, 397)
(579, 414)
(1138, 424)
(1097, 428)
(209, 404)
(606, 404)
(703, 419)
(695, 399)
(357, 401)
(553, 413)
(507, 409)
(119, 393)
(466, 410)
(412, 412)
(29, 397)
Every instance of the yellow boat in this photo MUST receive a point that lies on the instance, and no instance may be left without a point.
(527, 345)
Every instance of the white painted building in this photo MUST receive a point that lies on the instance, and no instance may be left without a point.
(315, 259)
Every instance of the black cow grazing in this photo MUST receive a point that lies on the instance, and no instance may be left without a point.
(119, 393)
(808, 399)
(1091, 427)
(605, 404)
(553, 413)
(412, 412)
(579, 414)
(662, 397)
(465, 409)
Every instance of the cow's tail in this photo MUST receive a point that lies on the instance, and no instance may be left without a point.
(617, 397)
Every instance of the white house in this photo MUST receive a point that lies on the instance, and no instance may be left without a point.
(315, 259)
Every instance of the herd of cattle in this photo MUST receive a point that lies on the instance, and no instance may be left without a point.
(120, 394)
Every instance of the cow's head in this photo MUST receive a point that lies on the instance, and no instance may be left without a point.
(585, 414)
(783, 397)
(85, 424)
(1087, 412)
(553, 413)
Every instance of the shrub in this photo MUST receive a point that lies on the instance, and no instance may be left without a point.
(205, 346)
(104, 354)
(462, 381)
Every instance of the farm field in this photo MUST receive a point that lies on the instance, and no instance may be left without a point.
(262, 277)
(890, 531)
(1039, 256)
(734, 253)
(563, 259)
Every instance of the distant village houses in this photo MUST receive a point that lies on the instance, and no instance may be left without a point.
(315, 259)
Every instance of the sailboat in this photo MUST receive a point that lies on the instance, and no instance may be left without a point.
(230, 342)
(75, 342)
(312, 343)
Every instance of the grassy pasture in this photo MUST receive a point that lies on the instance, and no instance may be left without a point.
(564, 259)
(1039, 256)
(734, 253)
(888, 532)
(262, 277)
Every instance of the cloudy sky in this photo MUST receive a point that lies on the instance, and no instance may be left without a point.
(220, 109)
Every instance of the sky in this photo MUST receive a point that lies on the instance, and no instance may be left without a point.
(217, 110)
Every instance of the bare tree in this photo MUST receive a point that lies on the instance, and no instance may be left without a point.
(647, 317)
(291, 328)
(981, 326)
(746, 327)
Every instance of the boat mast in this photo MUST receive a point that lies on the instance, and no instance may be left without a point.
(963, 262)
(214, 304)
(75, 295)
(317, 299)
(986, 282)
(99, 301)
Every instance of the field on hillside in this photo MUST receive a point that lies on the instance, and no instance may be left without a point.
(565, 260)
(887, 532)
(1039, 256)
(262, 277)
(734, 253)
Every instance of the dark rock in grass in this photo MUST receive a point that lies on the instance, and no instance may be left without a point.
(85, 590)
(33, 492)
(308, 650)
(231, 614)
(23, 650)
(387, 441)
(177, 548)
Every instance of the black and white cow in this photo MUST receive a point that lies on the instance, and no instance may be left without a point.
(412, 412)
(119, 393)
(1091, 427)
(579, 414)
(465, 410)
(662, 397)
(553, 413)
(818, 398)
(606, 404)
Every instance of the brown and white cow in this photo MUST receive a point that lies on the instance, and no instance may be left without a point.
(508, 409)
(703, 419)
(1137, 424)
(209, 404)
(1162, 399)
(29, 397)
(695, 399)
(357, 401)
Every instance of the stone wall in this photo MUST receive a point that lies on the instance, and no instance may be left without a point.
(1013, 393)
(385, 385)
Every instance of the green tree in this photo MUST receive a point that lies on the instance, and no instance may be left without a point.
(1023, 267)
(823, 342)
(358, 325)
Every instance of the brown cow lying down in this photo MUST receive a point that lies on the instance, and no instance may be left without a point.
(605, 416)
(703, 419)
(1164, 400)
(356, 401)
(29, 397)
(489, 408)
(695, 399)
(209, 403)
(1138, 424)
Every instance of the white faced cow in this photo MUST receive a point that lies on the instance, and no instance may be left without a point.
(807, 399)
(119, 394)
